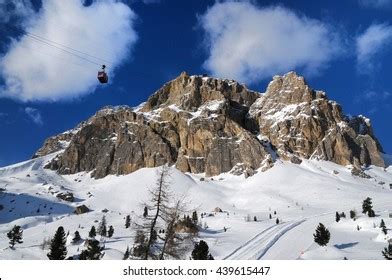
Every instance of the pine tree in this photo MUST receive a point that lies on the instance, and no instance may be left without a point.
(322, 235)
(255, 218)
(93, 251)
(201, 251)
(270, 216)
(275, 212)
(15, 235)
(277, 221)
(387, 252)
(127, 221)
(110, 231)
(92, 232)
(367, 207)
(58, 249)
(353, 214)
(145, 212)
(337, 217)
(343, 215)
(126, 254)
(102, 227)
(383, 227)
(76, 239)
(140, 244)
(371, 213)
(194, 217)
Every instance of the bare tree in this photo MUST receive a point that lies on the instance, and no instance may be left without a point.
(158, 208)
(172, 241)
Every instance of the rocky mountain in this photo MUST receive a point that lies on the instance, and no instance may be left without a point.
(202, 124)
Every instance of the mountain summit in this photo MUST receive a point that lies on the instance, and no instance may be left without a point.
(207, 125)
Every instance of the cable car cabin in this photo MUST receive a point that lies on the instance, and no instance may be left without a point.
(102, 77)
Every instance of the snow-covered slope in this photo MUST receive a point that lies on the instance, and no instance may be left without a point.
(302, 196)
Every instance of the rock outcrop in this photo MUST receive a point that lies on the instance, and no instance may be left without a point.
(207, 125)
(302, 122)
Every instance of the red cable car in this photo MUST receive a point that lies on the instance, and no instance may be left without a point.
(102, 76)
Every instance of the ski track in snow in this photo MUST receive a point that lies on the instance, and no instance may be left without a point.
(258, 246)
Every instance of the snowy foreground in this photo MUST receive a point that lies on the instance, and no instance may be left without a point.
(302, 196)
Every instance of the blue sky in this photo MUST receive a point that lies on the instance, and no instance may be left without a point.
(341, 47)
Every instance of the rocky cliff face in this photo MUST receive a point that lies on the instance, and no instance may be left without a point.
(202, 124)
(304, 123)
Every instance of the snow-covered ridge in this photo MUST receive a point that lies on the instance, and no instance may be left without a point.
(292, 190)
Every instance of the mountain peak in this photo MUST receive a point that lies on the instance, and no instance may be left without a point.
(191, 92)
(208, 125)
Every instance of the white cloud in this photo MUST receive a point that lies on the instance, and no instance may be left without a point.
(34, 71)
(249, 43)
(371, 43)
(375, 3)
(15, 9)
(34, 115)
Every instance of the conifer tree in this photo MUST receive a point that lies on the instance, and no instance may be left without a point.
(140, 244)
(322, 235)
(76, 238)
(270, 216)
(93, 251)
(126, 254)
(127, 221)
(92, 232)
(110, 231)
(353, 214)
(277, 221)
(102, 231)
(194, 217)
(145, 212)
(367, 207)
(387, 252)
(255, 219)
(201, 251)
(15, 235)
(337, 217)
(58, 249)
(383, 227)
